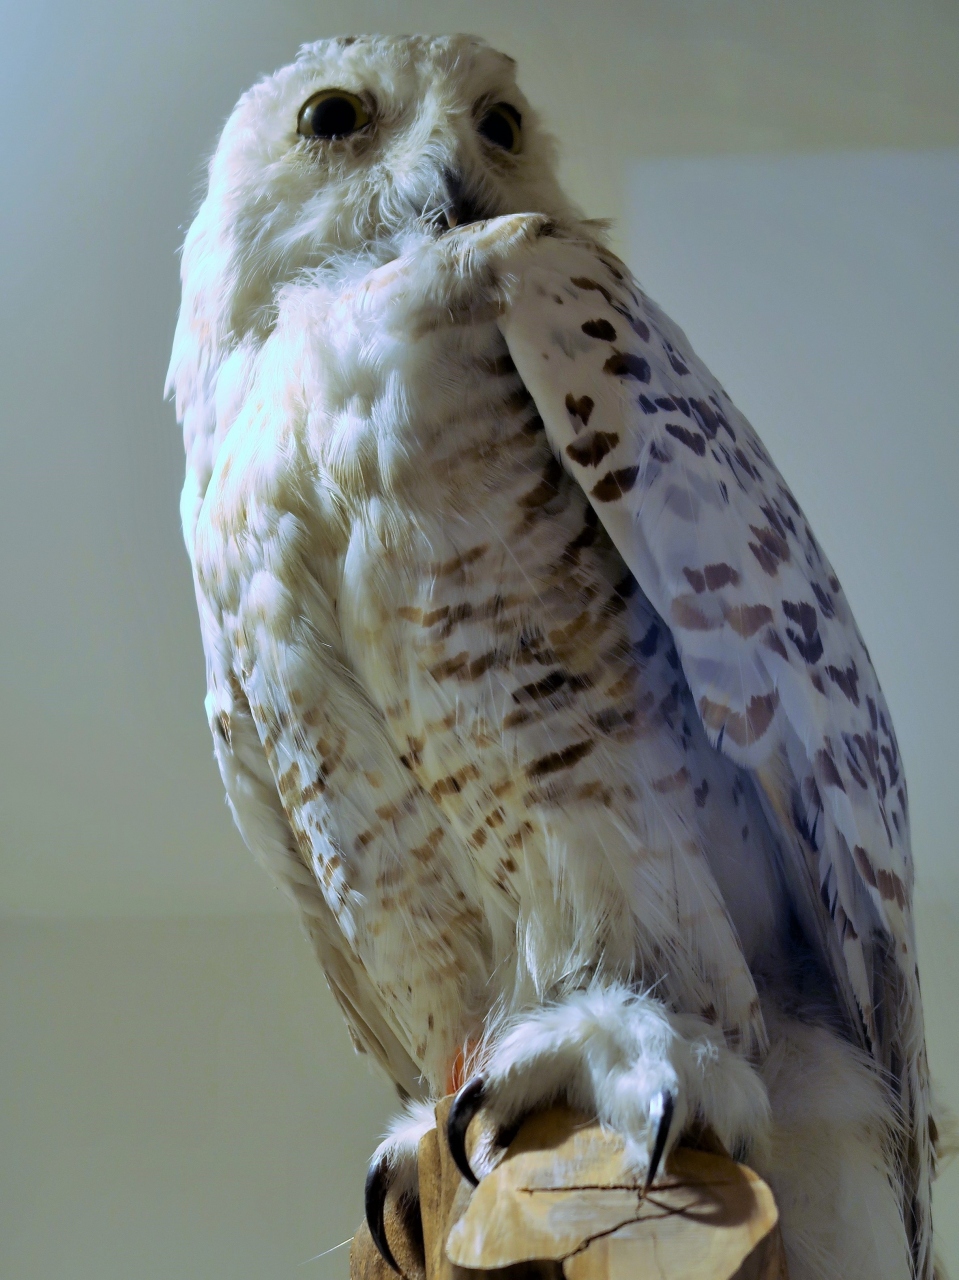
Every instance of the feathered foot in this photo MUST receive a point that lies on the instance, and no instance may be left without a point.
(643, 1071)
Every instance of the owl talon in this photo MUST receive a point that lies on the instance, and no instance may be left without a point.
(375, 1193)
(465, 1106)
(664, 1104)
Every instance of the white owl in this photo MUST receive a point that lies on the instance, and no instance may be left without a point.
(527, 678)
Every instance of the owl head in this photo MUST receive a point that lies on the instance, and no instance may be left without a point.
(358, 144)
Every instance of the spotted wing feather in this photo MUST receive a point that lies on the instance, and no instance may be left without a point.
(779, 672)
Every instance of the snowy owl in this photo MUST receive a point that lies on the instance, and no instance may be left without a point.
(527, 678)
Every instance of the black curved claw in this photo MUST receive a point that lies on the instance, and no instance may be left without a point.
(374, 1197)
(663, 1102)
(465, 1106)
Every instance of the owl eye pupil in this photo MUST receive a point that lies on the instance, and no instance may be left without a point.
(501, 126)
(333, 118)
(331, 114)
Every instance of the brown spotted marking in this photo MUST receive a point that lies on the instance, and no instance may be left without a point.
(710, 419)
(829, 775)
(721, 575)
(773, 641)
(743, 729)
(565, 636)
(846, 679)
(425, 852)
(888, 884)
(468, 671)
(809, 644)
(393, 812)
(444, 568)
(448, 667)
(316, 787)
(624, 684)
(288, 782)
(595, 790)
(614, 484)
(449, 617)
(584, 282)
(585, 538)
(674, 782)
(826, 603)
(747, 619)
(599, 329)
(515, 840)
(770, 549)
(612, 265)
(557, 760)
(551, 684)
(548, 487)
(613, 721)
(624, 364)
(453, 783)
(580, 407)
(691, 439)
(685, 612)
(590, 451)
(676, 361)
(436, 615)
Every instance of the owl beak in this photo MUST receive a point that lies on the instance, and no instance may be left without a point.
(460, 206)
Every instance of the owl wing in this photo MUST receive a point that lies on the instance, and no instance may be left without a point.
(779, 672)
(265, 825)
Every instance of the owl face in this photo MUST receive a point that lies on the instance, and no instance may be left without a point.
(358, 143)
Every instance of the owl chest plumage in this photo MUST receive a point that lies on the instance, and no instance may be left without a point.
(401, 520)
(527, 684)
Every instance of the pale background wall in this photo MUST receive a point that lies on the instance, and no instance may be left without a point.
(179, 1095)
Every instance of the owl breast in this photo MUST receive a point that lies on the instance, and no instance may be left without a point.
(526, 682)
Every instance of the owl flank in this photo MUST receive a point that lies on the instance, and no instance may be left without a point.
(528, 681)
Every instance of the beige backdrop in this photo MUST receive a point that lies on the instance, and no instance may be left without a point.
(179, 1098)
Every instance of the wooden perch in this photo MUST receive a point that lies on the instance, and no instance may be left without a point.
(560, 1206)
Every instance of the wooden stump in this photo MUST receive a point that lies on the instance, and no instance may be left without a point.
(560, 1205)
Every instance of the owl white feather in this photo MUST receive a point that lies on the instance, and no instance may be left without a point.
(527, 679)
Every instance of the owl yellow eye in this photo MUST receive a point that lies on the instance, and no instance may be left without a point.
(501, 125)
(332, 113)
